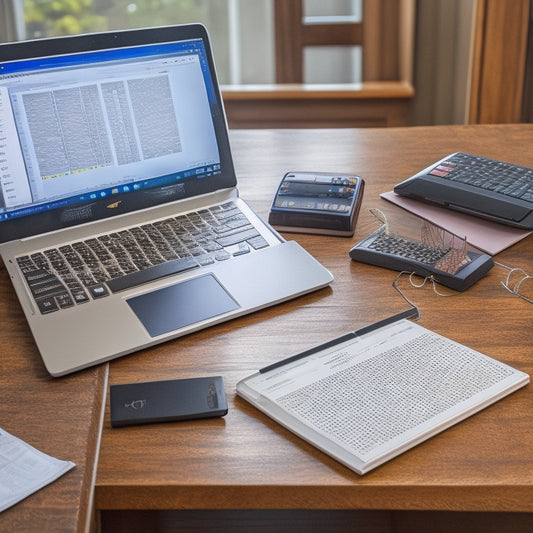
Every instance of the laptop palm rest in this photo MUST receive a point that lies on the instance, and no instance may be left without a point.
(182, 304)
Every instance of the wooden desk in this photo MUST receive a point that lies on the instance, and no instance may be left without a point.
(246, 461)
(61, 417)
(245, 469)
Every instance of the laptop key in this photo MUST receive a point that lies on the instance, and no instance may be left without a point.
(47, 305)
(258, 242)
(98, 291)
(151, 273)
(236, 238)
(64, 300)
(80, 296)
(242, 249)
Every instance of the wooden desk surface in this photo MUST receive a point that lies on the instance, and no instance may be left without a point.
(61, 417)
(247, 461)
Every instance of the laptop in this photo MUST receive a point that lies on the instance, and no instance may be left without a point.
(121, 224)
(480, 186)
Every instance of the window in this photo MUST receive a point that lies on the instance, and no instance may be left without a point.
(281, 63)
(324, 39)
(242, 31)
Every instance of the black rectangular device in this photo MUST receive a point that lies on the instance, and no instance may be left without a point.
(324, 203)
(479, 186)
(454, 268)
(167, 401)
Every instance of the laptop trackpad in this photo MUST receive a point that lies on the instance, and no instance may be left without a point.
(182, 304)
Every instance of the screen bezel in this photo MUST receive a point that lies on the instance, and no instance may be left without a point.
(98, 209)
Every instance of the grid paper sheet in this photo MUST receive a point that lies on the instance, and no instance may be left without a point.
(379, 399)
(370, 398)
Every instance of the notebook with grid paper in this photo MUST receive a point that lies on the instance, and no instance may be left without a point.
(121, 224)
(374, 394)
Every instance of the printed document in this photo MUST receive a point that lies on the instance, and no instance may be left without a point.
(374, 396)
(24, 470)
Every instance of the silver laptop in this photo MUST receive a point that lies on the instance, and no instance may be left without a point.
(121, 225)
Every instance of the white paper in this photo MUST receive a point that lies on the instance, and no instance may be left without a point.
(375, 396)
(24, 469)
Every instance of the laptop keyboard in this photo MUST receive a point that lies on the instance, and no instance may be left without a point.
(85, 270)
(505, 178)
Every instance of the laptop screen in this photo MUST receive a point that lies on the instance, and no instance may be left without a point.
(103, 130)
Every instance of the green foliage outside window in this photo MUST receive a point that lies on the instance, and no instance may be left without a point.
(47, 18)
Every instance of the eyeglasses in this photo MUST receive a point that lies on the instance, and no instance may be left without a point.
(515, 280)
(513, 283)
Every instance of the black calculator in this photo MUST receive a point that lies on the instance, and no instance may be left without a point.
(449, 266)
(323, 203)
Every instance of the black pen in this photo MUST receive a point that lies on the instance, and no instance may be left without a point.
(409, 313)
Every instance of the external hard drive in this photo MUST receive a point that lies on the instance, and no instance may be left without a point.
(167, 401)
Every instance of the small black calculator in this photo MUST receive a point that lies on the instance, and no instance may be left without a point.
(324, 203)
(456, 268)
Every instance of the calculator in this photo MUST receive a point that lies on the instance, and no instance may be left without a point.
(324, 203)
(453, 267)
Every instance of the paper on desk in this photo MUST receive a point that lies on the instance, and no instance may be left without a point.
(376, 395)
(488, 236)
(24, 470)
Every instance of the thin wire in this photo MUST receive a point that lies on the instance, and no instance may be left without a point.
(431, 279)
(507, 284)
(395, 285)
(516, 288)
